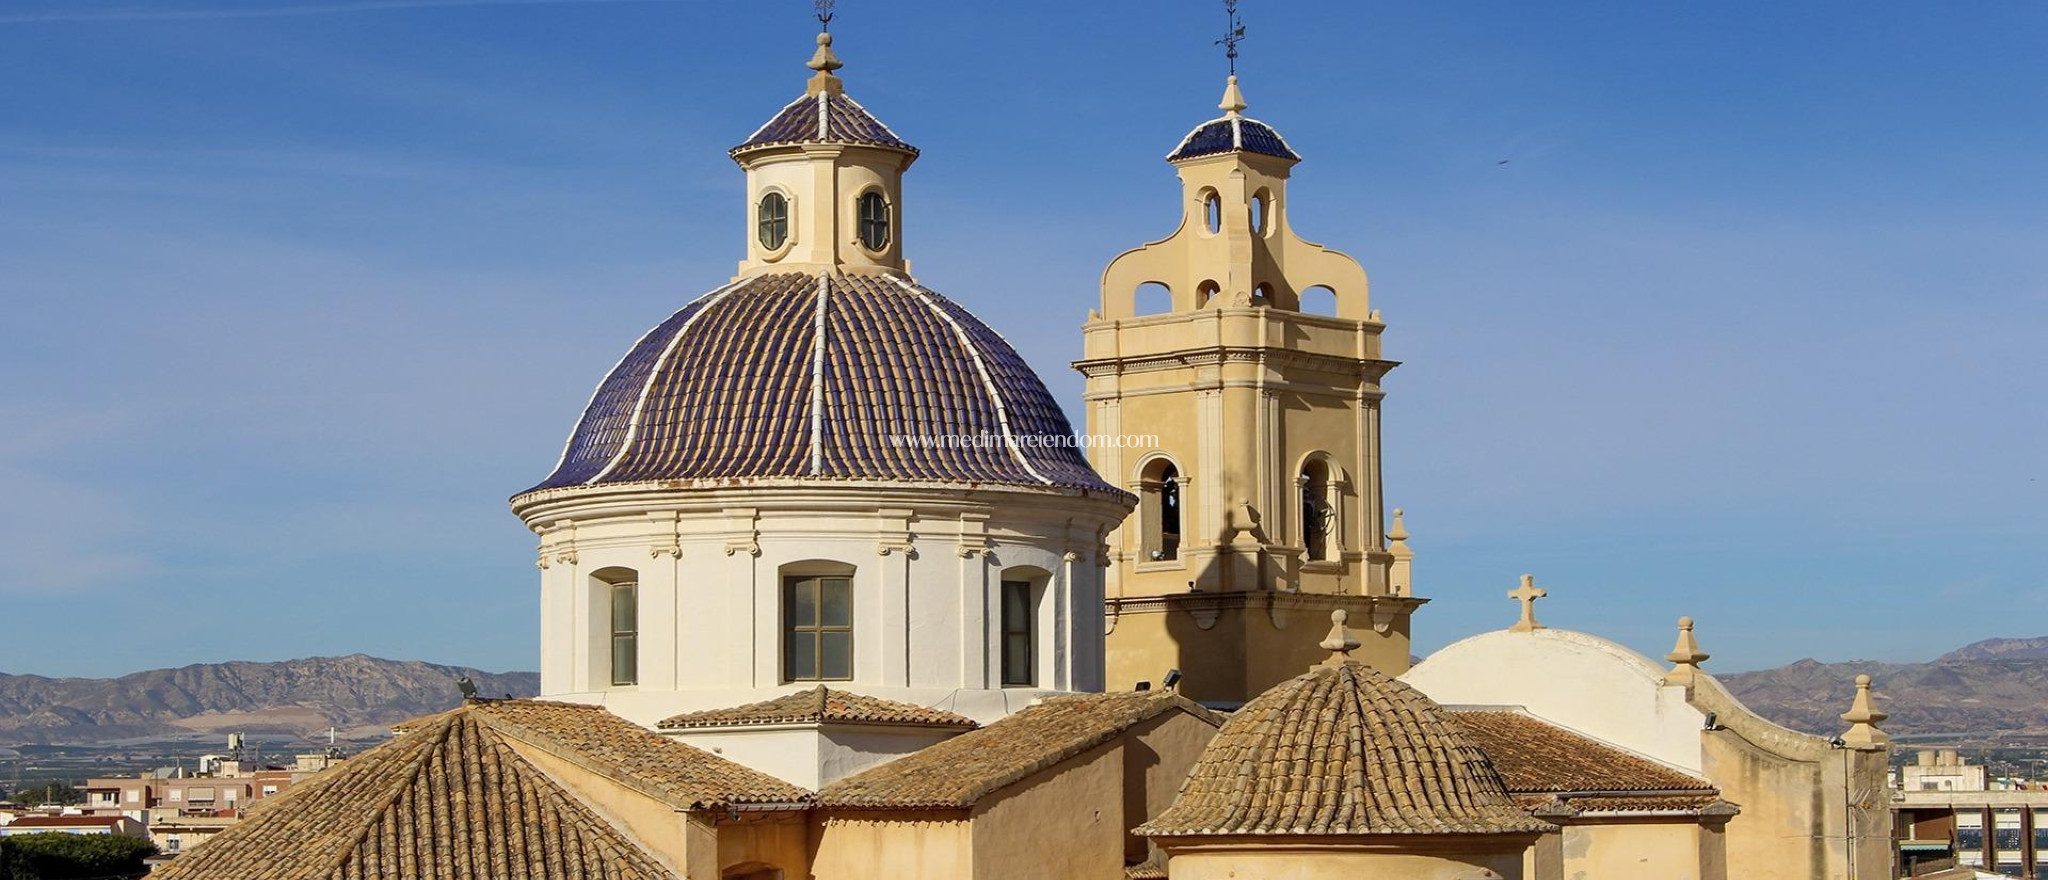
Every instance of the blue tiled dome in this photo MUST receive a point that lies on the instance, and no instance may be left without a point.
(1232, 134)
(825, 377)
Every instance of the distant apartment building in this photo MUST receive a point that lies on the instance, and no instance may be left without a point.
(91, 825)
(179, 809)
(1952, 815)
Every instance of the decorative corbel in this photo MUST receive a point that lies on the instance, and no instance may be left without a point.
(667, 537)
(973, 535)
(895, 536)
(743, 531)
(1383, 616)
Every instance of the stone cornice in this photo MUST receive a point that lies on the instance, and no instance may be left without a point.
(1368, 369)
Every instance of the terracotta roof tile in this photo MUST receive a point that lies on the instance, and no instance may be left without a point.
(818, 705)
(590, 736)
(1342, 749)
(1535, 756)
(450, 800)
(1674, 803)
(962, 770)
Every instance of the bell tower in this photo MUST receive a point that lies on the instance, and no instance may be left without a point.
(1258, 466)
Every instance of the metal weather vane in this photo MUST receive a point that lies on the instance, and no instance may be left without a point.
(1232, 35)
(824, 14)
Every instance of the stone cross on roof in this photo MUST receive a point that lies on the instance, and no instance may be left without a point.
(1527, 594)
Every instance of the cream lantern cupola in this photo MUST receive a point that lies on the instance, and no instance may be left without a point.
(1234, 246)
(824, 183)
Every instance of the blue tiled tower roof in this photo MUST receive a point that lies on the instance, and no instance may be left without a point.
(823, 376)
(1232, 133)
(827, 117)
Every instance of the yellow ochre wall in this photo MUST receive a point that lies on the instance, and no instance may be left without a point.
(893, 845)
(1676, 850)
(1282, 860)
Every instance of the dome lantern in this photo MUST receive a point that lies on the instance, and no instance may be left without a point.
(824, 182)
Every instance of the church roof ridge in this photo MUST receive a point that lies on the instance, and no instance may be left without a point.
(819, 705)
(957, 773)
(452, 792)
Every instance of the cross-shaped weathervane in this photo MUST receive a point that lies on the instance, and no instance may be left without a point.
(1232, 35)
(1527, 594)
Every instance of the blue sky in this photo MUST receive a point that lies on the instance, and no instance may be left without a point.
(1748, 328)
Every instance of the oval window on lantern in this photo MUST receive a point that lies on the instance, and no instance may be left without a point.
(772, 221)
(874, 221)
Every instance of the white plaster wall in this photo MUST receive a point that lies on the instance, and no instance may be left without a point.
(926, 565)
(1580, 681)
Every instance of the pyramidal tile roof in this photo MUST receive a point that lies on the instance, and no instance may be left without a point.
(826, 117)
(452, 799)
(821, 705)
(960, 771)
(1342, 749)
(1232, 134)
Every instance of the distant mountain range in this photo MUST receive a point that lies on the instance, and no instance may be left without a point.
(357, 694)
(1997, 688)
(1991, 690)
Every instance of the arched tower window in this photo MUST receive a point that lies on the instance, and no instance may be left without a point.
(772, 221)
(817, 619)
(874, 220)
(1161, 507)
(1212, 211)
(1318, 510)
(621, 589)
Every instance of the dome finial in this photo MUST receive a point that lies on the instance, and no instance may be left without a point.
(1340, 642)
(1233, 98)
(823, 61)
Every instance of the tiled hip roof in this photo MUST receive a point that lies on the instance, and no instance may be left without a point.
(825, 377)
(958, 772)
(821, 705)
(451, 798)
(1232, 134)
(1537, 757)
(824, 118)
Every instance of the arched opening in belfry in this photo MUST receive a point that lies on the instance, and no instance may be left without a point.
(1161, 499)
(1152, 298)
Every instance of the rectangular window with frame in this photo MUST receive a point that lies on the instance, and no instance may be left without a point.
(625, 634)
(1018, 669)
(817, 639)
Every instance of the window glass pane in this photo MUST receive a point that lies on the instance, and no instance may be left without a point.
(774, 220)
(803, 603)
(1016, 659)
(1016, 606)
(838, 602)
(625, 614)
(625, 660)
(835, 655)
(801, 664)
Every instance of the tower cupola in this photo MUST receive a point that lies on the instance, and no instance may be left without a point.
(824, 182)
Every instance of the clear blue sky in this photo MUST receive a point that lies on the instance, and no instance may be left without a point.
(1750, 327)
